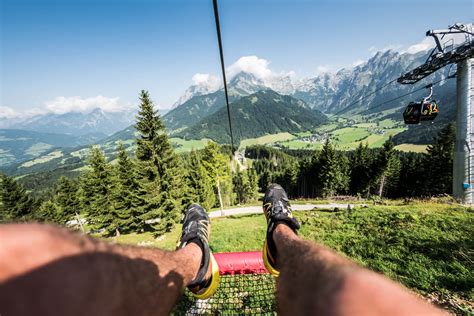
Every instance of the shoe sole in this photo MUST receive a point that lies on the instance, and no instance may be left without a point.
(207, 292)
(267, 263)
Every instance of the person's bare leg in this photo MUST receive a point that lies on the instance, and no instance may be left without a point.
(316, 280)
(45, 270)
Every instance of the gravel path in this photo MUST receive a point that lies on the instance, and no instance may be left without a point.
(295, 207)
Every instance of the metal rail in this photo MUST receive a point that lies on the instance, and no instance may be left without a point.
(440, 56)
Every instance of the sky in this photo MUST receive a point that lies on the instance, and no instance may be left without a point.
(65, 55)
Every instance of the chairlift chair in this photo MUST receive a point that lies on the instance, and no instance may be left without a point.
(421, 111)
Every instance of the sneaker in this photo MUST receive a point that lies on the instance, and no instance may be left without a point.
(277, 210)
(196, 229)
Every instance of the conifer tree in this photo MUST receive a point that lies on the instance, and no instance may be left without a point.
(313, 174)
(64, 203)
(331, 177)
(218, 170)
(15, 203)
(239, 183)
(245, 184)
(49, 211)
(438, 162)
(251, 190)
(361, 170)
(199, 185)
(129, 202)
(160, 168)
(97, 189)
(66, 197)
(387, 168)
(413, 177)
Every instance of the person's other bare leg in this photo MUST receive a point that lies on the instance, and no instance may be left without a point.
(316, 280)
(46, 270)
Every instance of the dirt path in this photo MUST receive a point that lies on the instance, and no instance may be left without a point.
(295, 207)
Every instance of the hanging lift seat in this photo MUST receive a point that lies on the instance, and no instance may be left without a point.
(423, 111)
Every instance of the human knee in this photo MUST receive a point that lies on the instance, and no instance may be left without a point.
(28, 245)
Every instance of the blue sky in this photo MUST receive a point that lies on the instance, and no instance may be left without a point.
(57, 50)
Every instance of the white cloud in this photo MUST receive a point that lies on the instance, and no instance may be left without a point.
(207, 81)
(425, 44)
(258, 67)
(8, 113)
(61, 105)
(251, 64)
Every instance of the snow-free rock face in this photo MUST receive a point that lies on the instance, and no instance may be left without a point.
(332, 92)
(192, 91)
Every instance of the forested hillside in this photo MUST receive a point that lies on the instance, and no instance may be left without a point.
(21, 145)
(147, 191)
(144, 192)
(261, 113)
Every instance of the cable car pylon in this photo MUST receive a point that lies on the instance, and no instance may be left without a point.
(463, 56)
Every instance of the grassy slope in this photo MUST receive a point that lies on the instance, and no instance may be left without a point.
(424, 246)
(267, 139)
(349, 137)
(412, 147)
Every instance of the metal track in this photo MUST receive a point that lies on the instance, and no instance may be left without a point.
(462, 52)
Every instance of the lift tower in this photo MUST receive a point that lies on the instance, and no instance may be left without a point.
(463, 55)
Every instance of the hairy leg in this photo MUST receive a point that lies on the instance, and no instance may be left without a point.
(45, 270)
(316, 280)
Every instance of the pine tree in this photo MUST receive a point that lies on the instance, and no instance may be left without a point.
(387, 168)
(200, 188)
(97, 189)
(49, 211)
(438, 162)
(245, 184)
(239, 183)
(251, 190)
(66, 197)
(218, 170)
(160, 168)
(129, 202)
(361, 171)
(313, 175)
(63, 204)
(413, 177)
(332, 176)
(16, 204)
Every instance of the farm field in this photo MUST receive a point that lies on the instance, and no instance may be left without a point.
(267, 139)
(412, 147)
(348, 138)
(425, 246)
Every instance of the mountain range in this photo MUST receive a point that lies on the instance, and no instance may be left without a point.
(259, 106)
(96, 122)
(367, 89)
(261, 113)
(331, 92)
